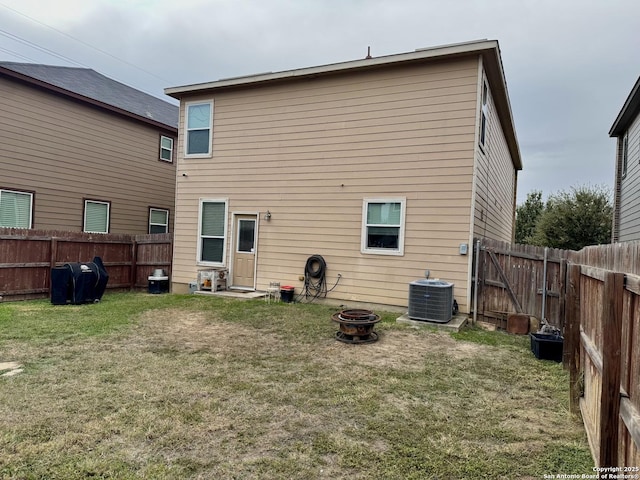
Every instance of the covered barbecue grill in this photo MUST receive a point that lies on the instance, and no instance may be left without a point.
(78, 283)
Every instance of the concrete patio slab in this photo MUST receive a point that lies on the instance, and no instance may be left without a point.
(453, 325)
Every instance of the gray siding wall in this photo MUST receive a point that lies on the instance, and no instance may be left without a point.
(65, 151)
(629, 200)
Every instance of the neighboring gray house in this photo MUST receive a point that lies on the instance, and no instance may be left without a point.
(626, 203)
(82, 152)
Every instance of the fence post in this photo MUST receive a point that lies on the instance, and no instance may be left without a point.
(476, 261)
(571, 353)
(612, 304)
(133, 276)
(562, 290)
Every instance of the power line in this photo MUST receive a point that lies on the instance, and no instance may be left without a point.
(38, 47)
(16, 54)
(75, 39)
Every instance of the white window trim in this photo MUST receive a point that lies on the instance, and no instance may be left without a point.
(186, 130)
(30, 222)
(484, 114)
(363, 235)
(166, 225)
(162, 137)
(226, 228)
(84, 215)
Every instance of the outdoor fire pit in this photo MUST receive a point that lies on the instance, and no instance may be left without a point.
(356, 326)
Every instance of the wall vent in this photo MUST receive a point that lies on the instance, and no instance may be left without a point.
(431, 300)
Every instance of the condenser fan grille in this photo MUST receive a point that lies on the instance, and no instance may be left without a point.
(431, 300)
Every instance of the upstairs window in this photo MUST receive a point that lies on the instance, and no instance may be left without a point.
(213, 232)
(166, 149)
(198, 122)
(625, 154)
(15, 209)
(158, 220)
(96, 216)
(383, 226)
(483, 115)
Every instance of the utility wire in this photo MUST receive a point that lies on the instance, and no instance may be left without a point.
(79, 41)
(38, 47)
(16, 54)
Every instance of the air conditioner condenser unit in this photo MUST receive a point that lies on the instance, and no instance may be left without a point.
(431, 300)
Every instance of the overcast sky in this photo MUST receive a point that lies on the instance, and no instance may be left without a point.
(569, 64)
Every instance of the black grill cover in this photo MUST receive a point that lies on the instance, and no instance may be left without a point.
(78, 283)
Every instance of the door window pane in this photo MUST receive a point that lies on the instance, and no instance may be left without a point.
(246, 235)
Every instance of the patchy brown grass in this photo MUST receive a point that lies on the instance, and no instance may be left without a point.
(200, 392)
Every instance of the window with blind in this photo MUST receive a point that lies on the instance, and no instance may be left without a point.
(15, 209)
(96, 216)
(213, 232)
(158, 220)
(383, 226)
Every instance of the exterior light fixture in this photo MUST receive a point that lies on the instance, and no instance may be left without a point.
(267, 216)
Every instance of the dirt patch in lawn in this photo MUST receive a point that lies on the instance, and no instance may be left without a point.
(188, 393)
(395, 348)
(404, 349)
(197, 331)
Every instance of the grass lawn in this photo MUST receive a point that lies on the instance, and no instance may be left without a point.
(188, 386)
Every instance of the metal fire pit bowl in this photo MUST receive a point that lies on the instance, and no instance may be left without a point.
(356, 326)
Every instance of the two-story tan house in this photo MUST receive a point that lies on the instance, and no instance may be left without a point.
(385, 167)
(82, 152)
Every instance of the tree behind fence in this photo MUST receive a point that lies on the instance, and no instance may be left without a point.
(27, 257)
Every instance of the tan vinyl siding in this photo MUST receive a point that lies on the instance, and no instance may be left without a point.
(310, 151)
(66, 151)
(630, 186)
(495, 182)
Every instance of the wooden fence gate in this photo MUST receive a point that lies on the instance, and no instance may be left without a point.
(519, 279)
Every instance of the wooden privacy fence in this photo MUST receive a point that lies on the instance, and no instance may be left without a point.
(602, 336)
(592, 295)
(518, 279)
(27, 257)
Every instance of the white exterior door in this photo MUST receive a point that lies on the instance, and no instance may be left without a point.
(244, 257)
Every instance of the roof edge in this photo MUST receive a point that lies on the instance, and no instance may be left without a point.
(629, 111)
(76, 96)
(489, 50)
(419, 54)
